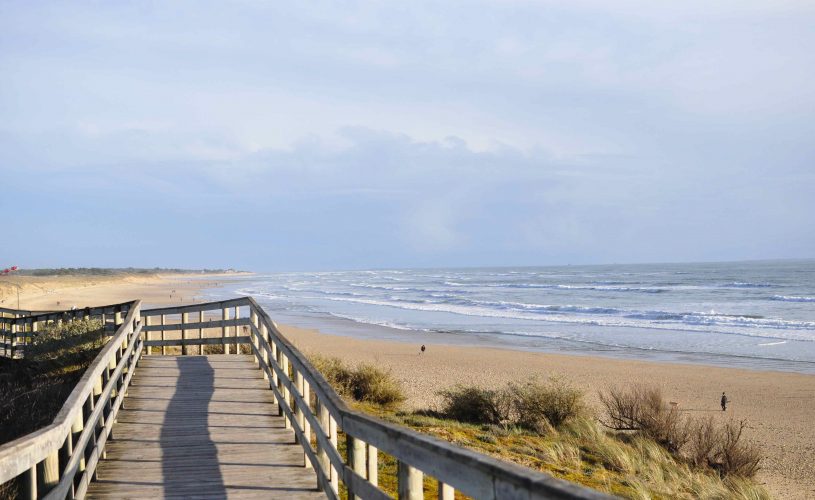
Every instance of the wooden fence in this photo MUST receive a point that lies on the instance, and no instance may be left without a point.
(59, 460)
(18, 328)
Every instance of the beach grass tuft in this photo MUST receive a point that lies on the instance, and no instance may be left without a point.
(364, 382)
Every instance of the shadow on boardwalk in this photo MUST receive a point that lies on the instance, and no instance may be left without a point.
(189, 456)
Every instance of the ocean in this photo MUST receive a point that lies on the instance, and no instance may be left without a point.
(758, 315)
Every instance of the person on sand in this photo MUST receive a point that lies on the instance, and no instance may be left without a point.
(724, 402)
(423, 348)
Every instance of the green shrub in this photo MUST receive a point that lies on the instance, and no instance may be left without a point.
(475, 405)
(539, 406)
(373, 385)
(365, 383)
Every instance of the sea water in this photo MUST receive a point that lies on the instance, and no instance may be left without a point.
(757, 315)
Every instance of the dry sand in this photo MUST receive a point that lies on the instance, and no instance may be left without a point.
(779, 407)
(63, 292)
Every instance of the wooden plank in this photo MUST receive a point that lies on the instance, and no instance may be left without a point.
(203, 427)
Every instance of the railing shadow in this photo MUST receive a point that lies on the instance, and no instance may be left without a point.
(189, 456)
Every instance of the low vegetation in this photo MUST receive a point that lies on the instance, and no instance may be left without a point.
(364, 383)
(533, 405)
(34, 388)
(699, 442)
(651, 450)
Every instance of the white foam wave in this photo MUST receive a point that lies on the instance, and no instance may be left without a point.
(742, 325)
(792, 298)
(742, 284)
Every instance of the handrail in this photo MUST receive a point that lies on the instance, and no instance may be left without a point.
(472, 473)
(60, 459)
(312, 409)
(18, 330)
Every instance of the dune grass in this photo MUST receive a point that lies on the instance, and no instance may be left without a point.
(546, 426)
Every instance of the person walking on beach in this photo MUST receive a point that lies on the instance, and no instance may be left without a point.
(724, 402)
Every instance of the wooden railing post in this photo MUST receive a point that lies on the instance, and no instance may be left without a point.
(184, 320)
(446, 492)
(306, 426)
(410, 482)
(322, 457)
(163, 335)
(356, 457)
(373, 466)
(147, 335)
(48, 473)
(201, 332)
(332, 436)
(264, 354)
(253, 319)
(275, 380)
(13, 340)
(284, 365)
(30, 484)
(65, 454)
(224, 318)
(237, 315)
(298, 412)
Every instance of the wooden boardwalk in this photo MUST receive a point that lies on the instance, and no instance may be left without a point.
(201, 426)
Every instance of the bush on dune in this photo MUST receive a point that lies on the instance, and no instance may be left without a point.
(475, 405)
(533, 405)
(538, 405)
(365, 382)
(699, 442)
(643, 409)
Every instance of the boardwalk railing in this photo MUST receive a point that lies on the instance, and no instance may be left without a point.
(18, 328)
(59, 460)
(316, 414)
(309, 406)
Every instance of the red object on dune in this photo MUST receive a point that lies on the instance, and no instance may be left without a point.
(13, 268)
(6, 271)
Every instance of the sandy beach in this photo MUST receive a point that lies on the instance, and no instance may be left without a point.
(64, 292)
(778, 406)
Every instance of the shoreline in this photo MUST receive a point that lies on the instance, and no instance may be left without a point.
(547, 345)
(777, 405)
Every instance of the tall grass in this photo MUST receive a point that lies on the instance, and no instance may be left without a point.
(698, 442)
(364, 382)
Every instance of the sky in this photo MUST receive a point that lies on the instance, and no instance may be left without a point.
(350, 135)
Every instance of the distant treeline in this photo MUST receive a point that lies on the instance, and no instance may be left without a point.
(112, 271)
